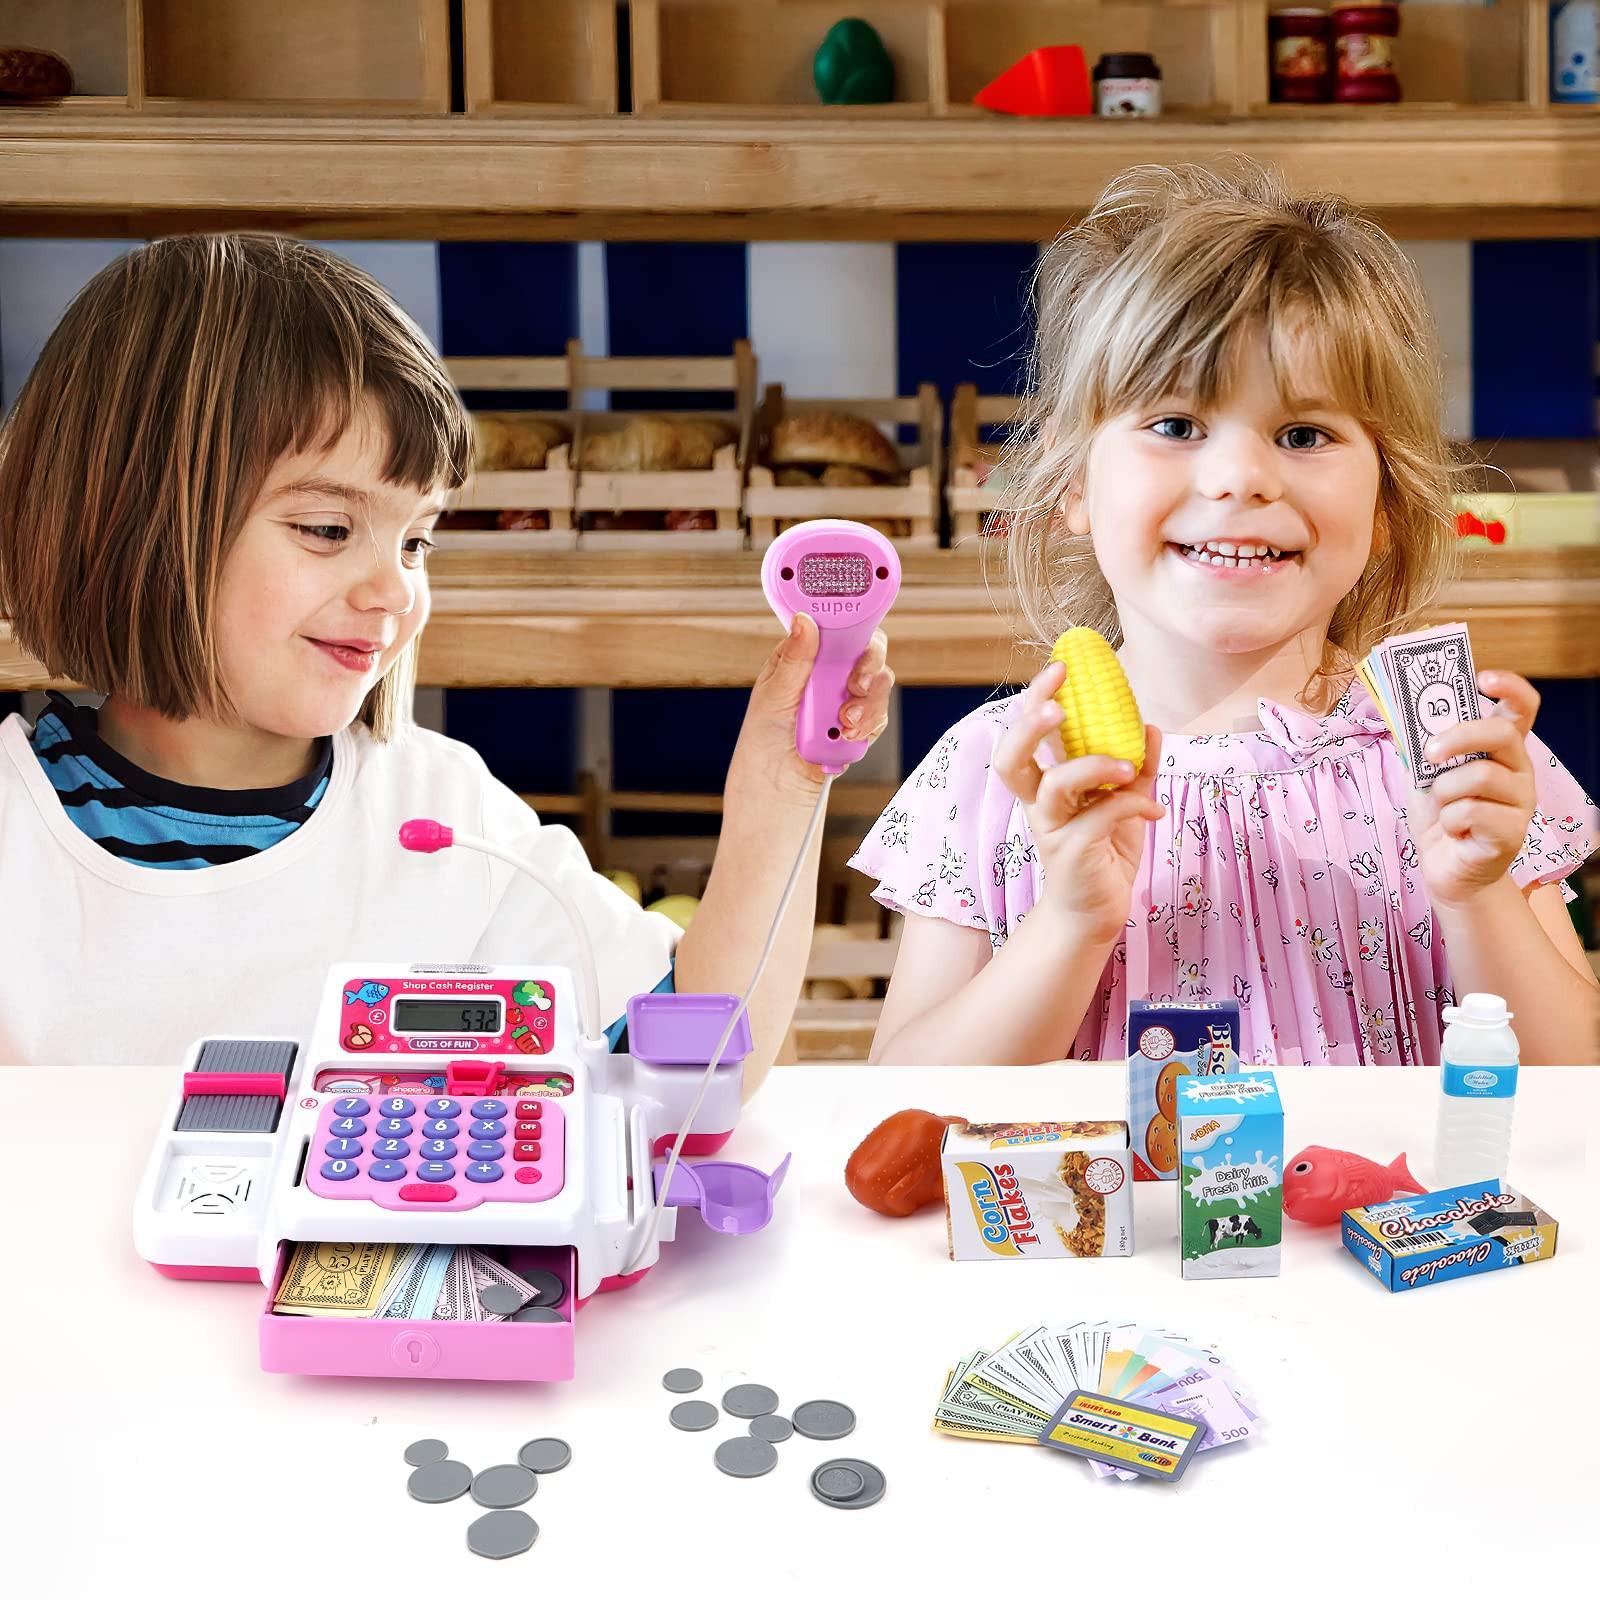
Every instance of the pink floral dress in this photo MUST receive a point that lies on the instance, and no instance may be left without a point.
(1283, 876)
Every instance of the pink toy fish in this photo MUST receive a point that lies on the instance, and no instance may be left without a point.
(1321, 1183)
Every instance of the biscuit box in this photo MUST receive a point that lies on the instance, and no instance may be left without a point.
(1452, 1233)
(1230, 1176)
(1168, 1041)
(1031, 1190)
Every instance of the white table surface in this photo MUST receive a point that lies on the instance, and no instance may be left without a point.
(1423, 1434)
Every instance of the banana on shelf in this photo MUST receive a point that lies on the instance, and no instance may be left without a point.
(1099, 715)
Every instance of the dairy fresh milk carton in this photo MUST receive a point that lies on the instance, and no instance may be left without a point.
(1020, 1190)
(1230, 1176)
(1166, 1042)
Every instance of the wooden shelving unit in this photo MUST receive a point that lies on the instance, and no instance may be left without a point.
(581, 620)
(1483, 173)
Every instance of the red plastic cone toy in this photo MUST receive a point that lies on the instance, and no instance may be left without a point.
(1049, 82)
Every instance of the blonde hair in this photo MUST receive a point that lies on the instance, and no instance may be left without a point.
(143, 436)
(1150, 294)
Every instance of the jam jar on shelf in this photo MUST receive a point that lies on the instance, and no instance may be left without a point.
(1299, 38)
(1363, 48)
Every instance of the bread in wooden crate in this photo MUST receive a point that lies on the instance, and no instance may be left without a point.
(647, 443)
(836, 440)
(509, 441)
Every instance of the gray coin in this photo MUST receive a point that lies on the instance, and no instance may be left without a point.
(773, 1429)
(694, 1416)
(749, 1400)
(502, 1533)
(746, 1458)
(504, 1486)
(824, 1419)
(848, 1484)
(682, 1380)
(502, 1299)
(426, 1451)
(537, 1314)
(440, 1481)
(548, 1289)
(545, 1455)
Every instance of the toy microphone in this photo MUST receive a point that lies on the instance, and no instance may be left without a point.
(847, 576)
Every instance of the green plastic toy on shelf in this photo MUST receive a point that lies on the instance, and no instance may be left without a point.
(852, 67)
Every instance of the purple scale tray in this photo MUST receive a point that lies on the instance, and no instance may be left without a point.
(681, 1030)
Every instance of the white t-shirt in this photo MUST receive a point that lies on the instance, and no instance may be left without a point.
(105, 961)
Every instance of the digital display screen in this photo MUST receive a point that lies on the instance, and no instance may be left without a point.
(448, 1016)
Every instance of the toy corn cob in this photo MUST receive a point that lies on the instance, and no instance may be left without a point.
(1099, 715)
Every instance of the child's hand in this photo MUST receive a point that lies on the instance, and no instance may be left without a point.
(1470, 825)
(1090, 841)
(765, 757)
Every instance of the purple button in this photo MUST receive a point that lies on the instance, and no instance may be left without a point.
(489, 1108)
(435, 1171)
(389, 1149)
(488, 1130)
(394, 1128)
(352, 1105)
(441, 1128)
(483, 1172)
(338, 1170)
(399, 1106)
(386, 1171)
(486, 1150)
(436, 1149)
(342, 1147)
(347, 1127)
(442, 1108)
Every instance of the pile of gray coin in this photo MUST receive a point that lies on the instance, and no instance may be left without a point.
(845, 1483)
(501, 1531)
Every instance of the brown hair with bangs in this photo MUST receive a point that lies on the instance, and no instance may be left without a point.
(1150, 295)
(144, 434)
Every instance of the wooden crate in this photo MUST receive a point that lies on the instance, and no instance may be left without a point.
(736, 57)
(358, 57)
(771, 507)
(718, 489)
(96, 38)
(539, 58)
(551, 489)
(1196, 44)
(971, 494)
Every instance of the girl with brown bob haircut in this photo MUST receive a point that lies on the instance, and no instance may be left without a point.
(217, 493)
(1231, 464)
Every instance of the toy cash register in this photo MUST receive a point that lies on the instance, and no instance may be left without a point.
(445, 1104)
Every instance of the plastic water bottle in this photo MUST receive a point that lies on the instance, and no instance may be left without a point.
(1479, 1090)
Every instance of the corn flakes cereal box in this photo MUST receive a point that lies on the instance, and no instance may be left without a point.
(1451, 1233)
(1230, 1176)
(1037, 1190)
(1168, 1041)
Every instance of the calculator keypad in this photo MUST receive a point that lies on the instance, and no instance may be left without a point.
(439, 1154)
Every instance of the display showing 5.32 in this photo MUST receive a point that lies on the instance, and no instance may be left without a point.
(448, 1016)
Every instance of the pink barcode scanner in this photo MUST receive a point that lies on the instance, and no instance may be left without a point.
(847, 576)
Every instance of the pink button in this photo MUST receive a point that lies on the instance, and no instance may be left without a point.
(527, 1174)
(427, 1191)
(529, 1130)
(529, 1108)
(526, 1152)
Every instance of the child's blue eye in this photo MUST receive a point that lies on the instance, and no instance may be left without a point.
(1304, 437)
(1183, 428)
(419, 548)
(333, 532)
